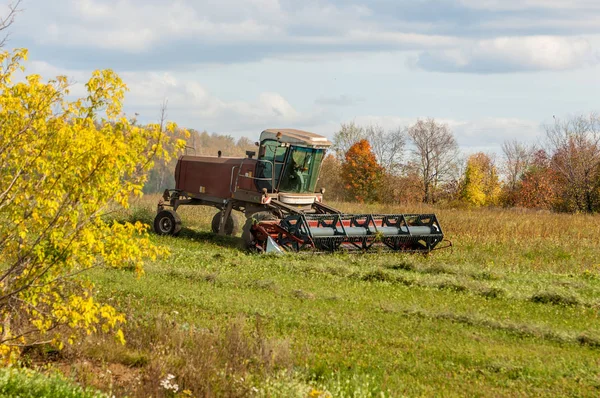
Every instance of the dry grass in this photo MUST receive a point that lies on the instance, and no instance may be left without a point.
(215, 362)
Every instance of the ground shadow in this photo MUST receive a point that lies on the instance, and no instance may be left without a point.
(233, 242)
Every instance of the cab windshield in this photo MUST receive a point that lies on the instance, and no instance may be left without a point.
(301, 170)
(292, 169)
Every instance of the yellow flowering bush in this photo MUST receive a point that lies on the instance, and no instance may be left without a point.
(62, 164)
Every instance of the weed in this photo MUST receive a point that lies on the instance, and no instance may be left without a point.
(211, 278)
(437, 269)
(403, 265)
(264, 284)
(378, 276)
(452, 286)
(492, 292)
(337, 270)
(555, 298)
(588, 341)
(135, 359)
(301, 294)
(141, 214)
(485, 276)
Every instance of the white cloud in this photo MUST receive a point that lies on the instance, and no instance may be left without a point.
(192, 105)
(340, 100)
(506, 54)
(492, 132)
(190, 32)
(414, 40)
(132, 26)
(506, 5)
(137, 26)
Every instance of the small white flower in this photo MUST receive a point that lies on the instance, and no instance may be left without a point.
(167, 385)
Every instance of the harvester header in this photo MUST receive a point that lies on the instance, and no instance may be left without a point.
(277, 193)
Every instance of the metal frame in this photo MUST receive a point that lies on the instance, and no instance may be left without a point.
(233, 187)
(294, 232)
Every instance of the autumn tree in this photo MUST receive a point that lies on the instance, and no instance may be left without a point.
(538, 184)
(574, 145)
(63, 165)
(400, 189)
(361, 173)
(481, 185)
(517, 158)
(434, 155)
(330, 178)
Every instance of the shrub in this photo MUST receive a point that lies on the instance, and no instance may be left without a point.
(26, 383)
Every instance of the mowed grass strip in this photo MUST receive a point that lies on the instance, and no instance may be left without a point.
(512, 309)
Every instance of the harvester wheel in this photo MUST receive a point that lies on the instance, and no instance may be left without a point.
(231, 225)
(167, 222)
(247, 234)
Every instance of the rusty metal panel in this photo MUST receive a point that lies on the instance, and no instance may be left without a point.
(208, 175)
(246, 179)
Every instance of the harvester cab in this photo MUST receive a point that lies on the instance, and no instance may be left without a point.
(277, 193)
(288, 166)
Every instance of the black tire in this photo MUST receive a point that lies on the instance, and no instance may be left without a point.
(167, 222)
(232, 225)
(247, 234)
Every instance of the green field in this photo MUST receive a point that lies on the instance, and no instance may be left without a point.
(511, 310)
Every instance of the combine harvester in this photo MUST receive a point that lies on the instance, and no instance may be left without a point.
(276, 193)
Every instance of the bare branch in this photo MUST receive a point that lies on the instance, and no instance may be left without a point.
(435, 155)
(8, 20)
(388, 146)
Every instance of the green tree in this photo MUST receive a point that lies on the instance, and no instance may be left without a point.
(63, 164)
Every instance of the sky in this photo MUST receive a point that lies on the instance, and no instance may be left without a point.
(493, 70)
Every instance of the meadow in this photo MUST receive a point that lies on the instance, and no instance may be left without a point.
(511, 310)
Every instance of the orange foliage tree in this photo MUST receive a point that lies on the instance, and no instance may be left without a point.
(361, 173)
(537, 188)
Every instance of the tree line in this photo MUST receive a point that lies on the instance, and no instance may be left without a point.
(422, 163)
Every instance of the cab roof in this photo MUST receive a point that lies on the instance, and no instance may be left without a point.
(296, 137)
